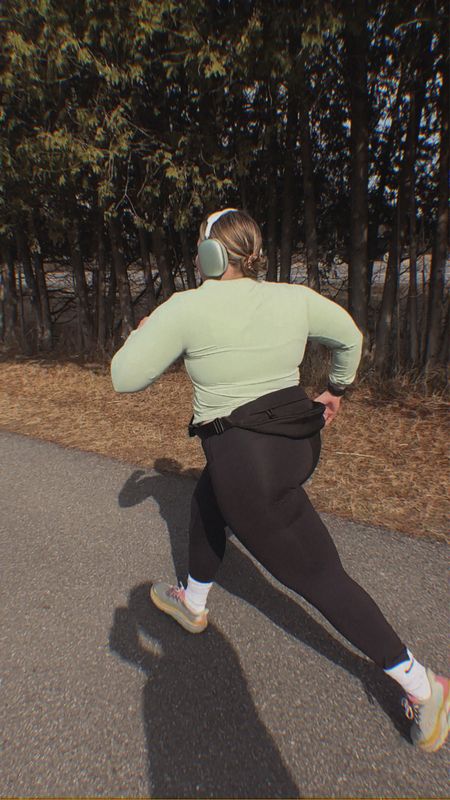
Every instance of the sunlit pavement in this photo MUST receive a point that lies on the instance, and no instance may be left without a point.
(102, 695)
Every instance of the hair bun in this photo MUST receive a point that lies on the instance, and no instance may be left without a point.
(253, 264)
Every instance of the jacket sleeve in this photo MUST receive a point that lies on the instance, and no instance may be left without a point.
(332, 326)
(149, 350)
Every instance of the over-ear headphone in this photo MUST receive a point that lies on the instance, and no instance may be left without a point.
(212, 255)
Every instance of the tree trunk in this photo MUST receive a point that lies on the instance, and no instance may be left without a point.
(411, 316)
(272, 249)
(272, 199)
(439, 255)
(26, 346)
(123, 285)
(384, 165)
(46, 328)
(312, 261)
(24, 256)
(46, 331)
(150, 294)
(80, 286)
(444, 355)
(412, 312)
(288, 188)
(357, 54)
(3, 277)
(10, 332)
(111, 304)
(423, 293)
(187, 260)
(383, 361)
(100, 287)
(160, 251)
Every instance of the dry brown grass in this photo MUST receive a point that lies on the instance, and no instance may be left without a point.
(384, 459)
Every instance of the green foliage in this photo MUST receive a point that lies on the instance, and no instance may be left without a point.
(156, 110)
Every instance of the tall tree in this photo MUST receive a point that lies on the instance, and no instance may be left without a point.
(123, 284)
(288, 187)
(10, 315)
(411, 328)
(153, 113)
(46, 328)
(384, 363)
(80, 285)
(357, 44)
(309, 199)
(436, 297)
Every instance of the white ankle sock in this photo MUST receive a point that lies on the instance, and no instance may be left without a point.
(196, 595)
(412, 677)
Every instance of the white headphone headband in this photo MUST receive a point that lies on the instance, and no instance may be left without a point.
(214, 217)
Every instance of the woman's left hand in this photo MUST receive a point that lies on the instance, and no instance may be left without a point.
(332, 405)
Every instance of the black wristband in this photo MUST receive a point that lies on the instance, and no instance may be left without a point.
(337, 389)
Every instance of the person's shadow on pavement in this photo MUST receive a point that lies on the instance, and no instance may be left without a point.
(239, 576)
(204, 736)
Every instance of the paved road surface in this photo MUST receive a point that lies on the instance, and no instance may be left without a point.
(103, 695)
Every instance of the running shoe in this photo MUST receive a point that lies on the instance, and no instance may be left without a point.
(171, 600)
(430, 717)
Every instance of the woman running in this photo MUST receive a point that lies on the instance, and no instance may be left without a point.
(242, 339)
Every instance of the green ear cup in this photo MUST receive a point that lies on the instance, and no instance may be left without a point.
(213, 258)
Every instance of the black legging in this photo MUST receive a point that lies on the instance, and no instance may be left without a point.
(253, 484)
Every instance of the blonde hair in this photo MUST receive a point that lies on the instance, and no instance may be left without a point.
(242, 239)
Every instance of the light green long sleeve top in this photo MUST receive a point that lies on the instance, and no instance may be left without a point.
(240, 339)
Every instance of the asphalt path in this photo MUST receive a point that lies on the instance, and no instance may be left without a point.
(103, 695)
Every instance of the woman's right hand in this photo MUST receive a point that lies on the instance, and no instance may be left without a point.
(332, 405)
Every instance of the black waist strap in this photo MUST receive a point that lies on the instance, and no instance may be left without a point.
(218, 425)
(284, 412)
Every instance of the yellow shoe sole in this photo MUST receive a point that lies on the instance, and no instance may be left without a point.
(440, 733)
(192, 627)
